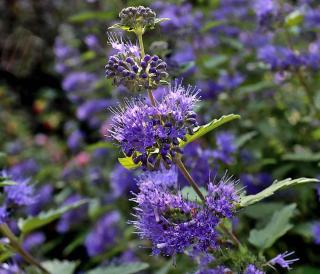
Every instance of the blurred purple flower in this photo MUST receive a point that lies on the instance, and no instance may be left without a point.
(225, 147)
(209, 89)
(21, 194)
(198, 162)
(26, 168)
(252, 269)
(91, 107)
(3, 214)
(230, 81)
(66, 56)
(122, 181)
(72, 217)
(265, 11)
(92, 42)
(316, 233)
(103, 234)
(312, 18)
(75, 140)
(79, 82)
(44, 196)
(33, 240)
(255, 183)
(6, 268)
(182, 20)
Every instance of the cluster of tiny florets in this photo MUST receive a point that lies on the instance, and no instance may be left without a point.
(222, 198)
(136, 73)
(133, 17)
(127, 67)
(172, 223)
(151, 134)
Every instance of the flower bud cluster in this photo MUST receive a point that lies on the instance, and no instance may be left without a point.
(136, 73)
(133, 17)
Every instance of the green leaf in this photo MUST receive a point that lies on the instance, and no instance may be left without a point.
(99, 145)
(122, 27)
(276, 227)
(294, 18)
(202, 130)
(305, 270)
(160, 20)
(252, 199)
(304, 156)
(164, 82)
(44, 218)
(60, 267)
(7, 183)
(128, 163)
(211, 24)
(305, 230)
(189, 193)
(241, 140)
(91, 15)
(214, 61)
(164, 269)
(261, 210)
(122, 269)
(247, 89)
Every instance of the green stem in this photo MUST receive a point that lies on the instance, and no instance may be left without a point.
(139, 33)
(153, 101)
(14, 243)
(233, 237)
(187, 175)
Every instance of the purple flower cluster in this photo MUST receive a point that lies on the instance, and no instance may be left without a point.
(222, 198)
(130, 69)
(151, 134)
(174, 224)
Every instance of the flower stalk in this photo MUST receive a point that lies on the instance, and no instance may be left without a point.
(139, 33)
(233, 237)
(14, 243)
(187, 175)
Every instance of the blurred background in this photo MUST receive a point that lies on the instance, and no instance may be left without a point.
(252, 58)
